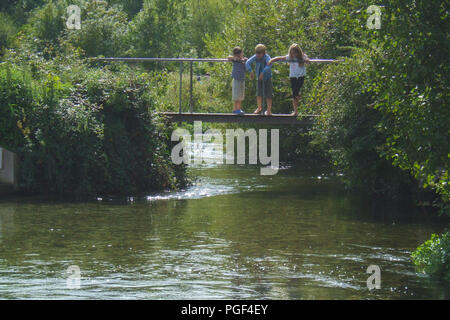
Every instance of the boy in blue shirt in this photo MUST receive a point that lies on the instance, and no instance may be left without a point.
(264, 76)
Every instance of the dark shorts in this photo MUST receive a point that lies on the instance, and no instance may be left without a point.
(265, 88)
(296, 84)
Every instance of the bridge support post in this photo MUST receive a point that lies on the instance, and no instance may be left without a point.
(191, 101)
(8, 171)
(181, 85)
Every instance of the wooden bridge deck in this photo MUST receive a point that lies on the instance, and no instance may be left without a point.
(303, 120)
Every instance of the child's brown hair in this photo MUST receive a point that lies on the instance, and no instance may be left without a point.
(237, 50)
(295, 47)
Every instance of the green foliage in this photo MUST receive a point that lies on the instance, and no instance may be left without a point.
(433, 256)
(47, 23)
(15, 97)
(19, 10)
(297, 145)
(174, 28)
(102, 30)
(411, 84)
(130, 7)
(207, 18)
(157, 29)
(149, 28)
(347, 129)
(7, 30)
(97, 136)
(204, 98)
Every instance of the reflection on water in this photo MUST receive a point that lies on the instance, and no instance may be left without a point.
(234, 234)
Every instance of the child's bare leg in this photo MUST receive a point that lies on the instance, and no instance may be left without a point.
(269, 105)
(295, 105)
(236, 105)
(259, 102)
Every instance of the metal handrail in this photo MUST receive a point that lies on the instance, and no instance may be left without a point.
(197, 59)
(164, 59)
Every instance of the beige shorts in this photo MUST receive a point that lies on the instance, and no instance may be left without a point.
(238, 90)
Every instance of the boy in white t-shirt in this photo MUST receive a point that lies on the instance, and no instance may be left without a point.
(297, 71)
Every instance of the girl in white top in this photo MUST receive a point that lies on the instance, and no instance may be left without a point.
(297, 71)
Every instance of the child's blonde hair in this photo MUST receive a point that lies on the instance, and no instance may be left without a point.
(260, 48)
(296, 47)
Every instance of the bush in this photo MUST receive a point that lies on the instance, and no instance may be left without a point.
(15, 98)
(7, 30)
(156, 31)
(347, 129)
(432, 257)
(96, 137)
(102, 30)
(47, 22)
(411, 84)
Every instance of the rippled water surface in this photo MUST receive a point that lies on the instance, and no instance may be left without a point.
(234, 234)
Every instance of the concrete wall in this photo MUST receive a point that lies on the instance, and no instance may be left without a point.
(8, 168)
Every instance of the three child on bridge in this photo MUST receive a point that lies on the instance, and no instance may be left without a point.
(297, 61)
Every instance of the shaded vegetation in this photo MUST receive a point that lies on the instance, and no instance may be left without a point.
(94, 137)
(433, 256)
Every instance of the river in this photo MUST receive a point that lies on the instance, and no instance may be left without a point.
(233, 235)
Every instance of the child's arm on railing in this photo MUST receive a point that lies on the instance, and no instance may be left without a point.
(280, 58)
(233, 58)
(306, 58)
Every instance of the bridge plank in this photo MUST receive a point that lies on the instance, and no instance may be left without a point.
(303, 120)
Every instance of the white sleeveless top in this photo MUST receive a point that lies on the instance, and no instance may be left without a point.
(295, 70)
